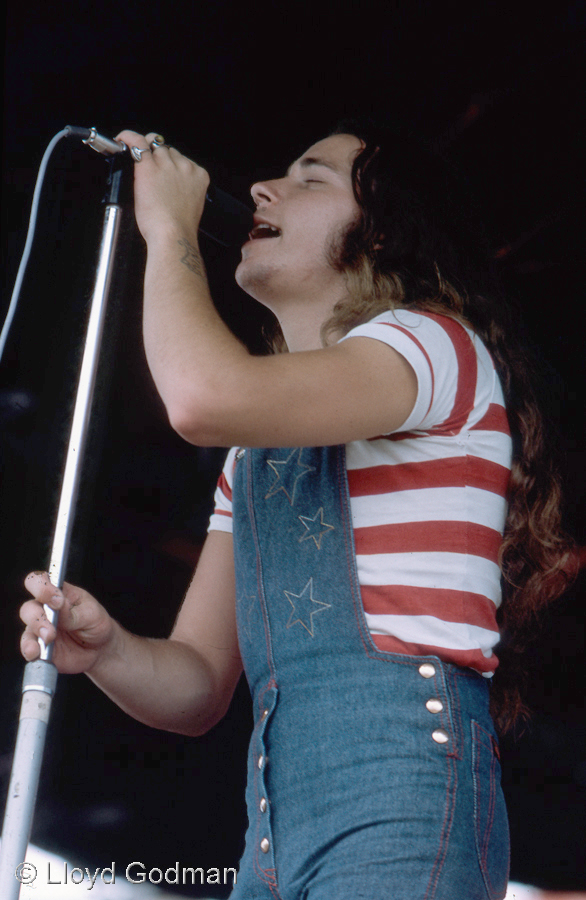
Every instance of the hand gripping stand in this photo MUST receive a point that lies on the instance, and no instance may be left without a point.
(40, 676)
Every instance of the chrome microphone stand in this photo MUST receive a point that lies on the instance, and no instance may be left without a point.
(40, 676)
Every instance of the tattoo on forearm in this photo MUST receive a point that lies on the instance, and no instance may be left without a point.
(192, 259)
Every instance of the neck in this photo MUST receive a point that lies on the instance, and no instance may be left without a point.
(301, 305)
(301, 318)
(301, 333)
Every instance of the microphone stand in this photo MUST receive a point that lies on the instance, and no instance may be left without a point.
(40, 676)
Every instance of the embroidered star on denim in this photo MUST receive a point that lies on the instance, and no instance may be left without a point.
(305, 607)
(313, 527)
(287, 481)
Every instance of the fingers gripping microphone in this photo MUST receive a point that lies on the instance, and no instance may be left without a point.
(225, 220)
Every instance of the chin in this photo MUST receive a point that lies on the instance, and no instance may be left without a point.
(242, 277)
(257, 280)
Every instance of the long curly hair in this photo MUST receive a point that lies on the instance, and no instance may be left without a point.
(418, 244)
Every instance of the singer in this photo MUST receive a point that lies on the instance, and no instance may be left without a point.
(370, 513)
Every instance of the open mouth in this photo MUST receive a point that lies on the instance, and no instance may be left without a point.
(263, 230)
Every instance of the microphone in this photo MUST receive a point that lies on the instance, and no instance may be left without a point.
(225, 220)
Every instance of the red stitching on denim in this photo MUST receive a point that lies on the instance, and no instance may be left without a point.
(490, 821)
(481, 738)
(456, 716)
(271, 683)
(267, 876)
(259, 579)
(446, 830)
(270, 880)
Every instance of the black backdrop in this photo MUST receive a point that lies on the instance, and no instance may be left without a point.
(243, 90)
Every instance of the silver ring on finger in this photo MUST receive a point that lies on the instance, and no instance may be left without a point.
(136, 152)
(158, 141)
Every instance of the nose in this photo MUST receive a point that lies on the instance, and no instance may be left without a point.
(264, 192)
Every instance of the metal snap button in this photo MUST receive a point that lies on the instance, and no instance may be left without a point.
(261, 761)
(440, 736)
(427, 670)
(263, 804)
(434, 705)
(265, 845)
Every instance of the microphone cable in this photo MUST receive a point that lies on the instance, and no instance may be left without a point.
(65, 132)
(225, 220)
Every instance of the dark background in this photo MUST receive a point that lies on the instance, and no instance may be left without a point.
(244, 89)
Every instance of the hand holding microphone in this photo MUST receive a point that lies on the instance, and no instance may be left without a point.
(225, 220)
(169, 188)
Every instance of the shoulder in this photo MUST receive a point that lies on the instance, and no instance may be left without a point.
(414, 325)
(426, 339)
(450, 361)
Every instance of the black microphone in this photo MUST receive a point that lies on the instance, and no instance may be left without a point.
(225, 220)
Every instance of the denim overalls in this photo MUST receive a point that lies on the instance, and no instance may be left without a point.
(370, 774)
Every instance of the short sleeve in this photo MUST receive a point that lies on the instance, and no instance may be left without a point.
(221, 518)
(438, 348)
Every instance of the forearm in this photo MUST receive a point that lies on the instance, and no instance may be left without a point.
(190, 351)
(164, 683)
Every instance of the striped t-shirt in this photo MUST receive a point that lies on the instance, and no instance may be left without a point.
(428, 501)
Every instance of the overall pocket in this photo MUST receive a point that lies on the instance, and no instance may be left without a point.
(491, 826)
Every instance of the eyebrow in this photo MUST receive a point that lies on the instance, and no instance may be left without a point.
(307, 161)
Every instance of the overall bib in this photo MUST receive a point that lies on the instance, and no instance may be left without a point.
(370, 774)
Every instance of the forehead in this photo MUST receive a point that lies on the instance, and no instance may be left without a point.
(336, 152)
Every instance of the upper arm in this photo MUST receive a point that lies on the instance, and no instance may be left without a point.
(354, 390)
(207, 618)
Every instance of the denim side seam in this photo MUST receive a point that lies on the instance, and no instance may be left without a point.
(485, 804)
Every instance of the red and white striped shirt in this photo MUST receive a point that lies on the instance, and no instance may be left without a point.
(428, 501)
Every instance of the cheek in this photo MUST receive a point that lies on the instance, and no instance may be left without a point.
(323, 227)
